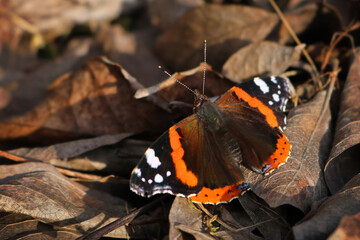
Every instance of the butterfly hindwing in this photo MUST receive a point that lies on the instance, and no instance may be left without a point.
(257, 123)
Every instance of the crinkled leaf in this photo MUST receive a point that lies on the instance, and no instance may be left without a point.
(260, 58)
(95, 100)
(323, 218)
(344, 161)
(225, 27)
(37, 190)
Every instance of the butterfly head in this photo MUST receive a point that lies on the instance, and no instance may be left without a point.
(200, 99)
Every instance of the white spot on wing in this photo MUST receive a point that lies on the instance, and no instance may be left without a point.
(143, 179)
(262, 85)
(151, 159)
(137, 172)
(276, 97)
(279, 92)
(271, 103)
(273, 79)
(158, 178)
(168, 173)
(150, 181)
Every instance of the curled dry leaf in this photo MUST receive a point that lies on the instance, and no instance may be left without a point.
(300, 181)
(344, 161)
(225, 27)
(348, 228)
(95, 100)
(37, 190)
(323, 218)
(260, 58)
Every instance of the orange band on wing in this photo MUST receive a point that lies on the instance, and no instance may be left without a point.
(218, 195)
(280, 156)
(256, 103)
(186, 176)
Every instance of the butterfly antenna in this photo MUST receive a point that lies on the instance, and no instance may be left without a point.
(203, 90)
(167, 73)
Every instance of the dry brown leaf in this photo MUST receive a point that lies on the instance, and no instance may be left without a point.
(260, 58)
(343, 163)
(272, 226)
(300, 181)
(29, 85)
(18, 226)
(323, 218)
(225, 27)
(133, 51)
(57, 16)
(348, 228)
(184, 218)
(300, 14)
(95, 100)
(37, 190)
(164, 12)
(169, 91)
(111, 154)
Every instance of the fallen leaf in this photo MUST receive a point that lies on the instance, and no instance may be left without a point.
(300, 181)
(164, 12)
(324, 217)
(260, 58)
(95, 100)
(270, 222)
(184, 218)
(54, 17)
(225, 27)
(37, 190)
(348, 228)
(299, 14)
(169, 91)
(28, 87)
(343, 162)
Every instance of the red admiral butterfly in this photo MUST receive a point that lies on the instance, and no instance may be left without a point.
(199, 156)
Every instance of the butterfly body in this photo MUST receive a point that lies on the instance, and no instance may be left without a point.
(199, 157)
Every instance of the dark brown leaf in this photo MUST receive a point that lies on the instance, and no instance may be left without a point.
(300, 181)
(164, 12)
(133, 51)
(93, 154)
(56, 16)
(260, 58)
(348, 228)
(299, 14)
(272, 226)
(225, 27)
(169, 90)
(184, 218)
(323, 218)
(96, 100)
(39, 191)
(343, 163)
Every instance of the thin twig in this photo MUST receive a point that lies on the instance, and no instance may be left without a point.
(293, 34)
